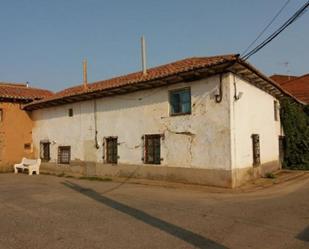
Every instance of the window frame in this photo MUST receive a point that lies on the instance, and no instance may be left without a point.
(115, 157)
(156, 159)
(276, 110)
(256, 150)
(42, 151)
(60, 159)
(70, 112)
(27, 146)
(178, 90)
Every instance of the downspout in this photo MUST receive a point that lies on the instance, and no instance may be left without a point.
(95, 124)
(218, 97)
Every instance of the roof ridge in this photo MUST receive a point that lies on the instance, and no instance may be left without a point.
(298, 78)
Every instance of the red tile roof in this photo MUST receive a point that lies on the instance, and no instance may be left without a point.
(20, 91)
(298, 87)
(281, 79)
(189, 65)
(152, 74)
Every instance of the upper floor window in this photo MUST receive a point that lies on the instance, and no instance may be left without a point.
(71, 112)
(180, 101)
(276, 110)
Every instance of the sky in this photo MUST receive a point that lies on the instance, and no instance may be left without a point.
(44, 41)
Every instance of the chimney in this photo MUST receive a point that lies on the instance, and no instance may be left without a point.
(85, 81)
(144, 63)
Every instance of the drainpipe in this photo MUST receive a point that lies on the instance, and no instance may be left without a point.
(95, 124)
(218, 96)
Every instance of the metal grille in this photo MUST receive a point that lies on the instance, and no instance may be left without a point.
(45, 151)
(256, 149)
(111, 150)
(64, 154)
(152, 149)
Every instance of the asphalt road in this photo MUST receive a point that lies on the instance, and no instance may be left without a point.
(56, 212)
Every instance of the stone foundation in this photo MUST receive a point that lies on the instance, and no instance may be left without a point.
(241, 176)
(211, 177)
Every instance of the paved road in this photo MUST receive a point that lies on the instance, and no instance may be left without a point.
(52, 212)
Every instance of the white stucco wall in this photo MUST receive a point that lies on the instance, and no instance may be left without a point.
(132, 115)
(253, 113)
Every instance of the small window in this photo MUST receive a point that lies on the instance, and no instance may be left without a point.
(70, 112)
(152, 149)
(256, 149)
(1, 115)
(45, 151)
(111, 151)
(276, 110)
(180, 101)
(64, 154)
(27, 146)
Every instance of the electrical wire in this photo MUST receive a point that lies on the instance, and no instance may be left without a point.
(267, 26)
(292, 19)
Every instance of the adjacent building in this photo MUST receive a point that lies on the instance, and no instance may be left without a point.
(298, 86)
(15, 123)
(208, 120)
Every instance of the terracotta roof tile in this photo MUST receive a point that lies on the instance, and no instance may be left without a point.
(298, 87)
(152, 74)
(281, 79)
(19, 91)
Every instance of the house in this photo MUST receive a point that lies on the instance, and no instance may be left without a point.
(208, 120)
(15, 123)
(297, 86)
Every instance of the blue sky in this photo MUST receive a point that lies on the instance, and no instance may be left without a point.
(44, 41)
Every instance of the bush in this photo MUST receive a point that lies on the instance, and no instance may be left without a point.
(295, 122)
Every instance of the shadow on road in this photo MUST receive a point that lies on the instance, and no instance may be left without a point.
(176, 231)
(304, 235)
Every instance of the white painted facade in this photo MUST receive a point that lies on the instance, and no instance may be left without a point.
(215, 136)
(253, 113)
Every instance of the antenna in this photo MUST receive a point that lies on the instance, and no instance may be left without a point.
(144, 62)
(85, 81)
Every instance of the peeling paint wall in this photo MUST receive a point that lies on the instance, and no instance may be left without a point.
(253, 113)
(199, 140)
(15, 132)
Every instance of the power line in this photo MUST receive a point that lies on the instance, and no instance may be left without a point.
(292, 19)
(267, 26)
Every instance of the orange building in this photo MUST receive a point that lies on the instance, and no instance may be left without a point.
(15, 123)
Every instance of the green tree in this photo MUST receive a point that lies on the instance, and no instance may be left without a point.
(295, 122)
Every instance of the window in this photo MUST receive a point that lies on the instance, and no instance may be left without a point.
(64, 154)
(45, 151)
(1, 115)
(276, 110)
(70, 112)
(180, 101)
(27, 146)
(152, 149)
(256, 149)
(111, 150)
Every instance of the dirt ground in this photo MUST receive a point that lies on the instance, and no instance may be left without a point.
(57, 212)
